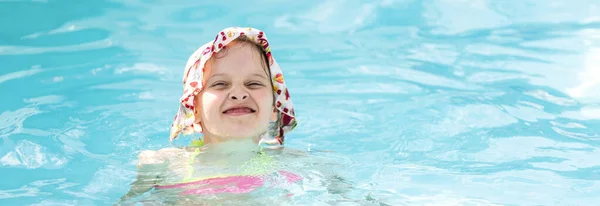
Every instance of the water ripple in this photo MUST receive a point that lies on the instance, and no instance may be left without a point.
(19, 74)
(11, 122)
(25, 50)
(30, 155)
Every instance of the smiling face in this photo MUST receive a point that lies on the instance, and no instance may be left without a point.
(237, 98)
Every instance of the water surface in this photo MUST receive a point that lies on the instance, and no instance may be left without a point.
(474, 102)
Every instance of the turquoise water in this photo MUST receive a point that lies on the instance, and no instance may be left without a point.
(447, 102)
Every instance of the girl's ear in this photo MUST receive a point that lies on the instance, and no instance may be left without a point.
(198, 127)
(197, 116)
(197, 106)
(274, 114)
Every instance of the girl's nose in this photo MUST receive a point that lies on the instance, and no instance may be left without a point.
(239, 95)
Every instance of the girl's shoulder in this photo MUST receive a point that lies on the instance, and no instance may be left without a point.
(161, 156)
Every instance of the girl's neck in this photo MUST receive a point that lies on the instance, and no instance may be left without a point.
(220, 145)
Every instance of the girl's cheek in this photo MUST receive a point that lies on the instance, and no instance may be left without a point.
(210, 97)
(265, 95)
(211, 101)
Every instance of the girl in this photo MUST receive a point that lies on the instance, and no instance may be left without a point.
(235, 95)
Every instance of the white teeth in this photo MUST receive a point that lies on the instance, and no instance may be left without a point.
(242, 109)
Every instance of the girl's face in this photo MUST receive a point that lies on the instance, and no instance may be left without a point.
(237, 98)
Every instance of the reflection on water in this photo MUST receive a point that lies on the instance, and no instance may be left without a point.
(417, 101)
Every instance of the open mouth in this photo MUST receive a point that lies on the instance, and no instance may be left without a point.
(239, 110)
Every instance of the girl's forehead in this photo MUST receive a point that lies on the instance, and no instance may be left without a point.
(238, 59)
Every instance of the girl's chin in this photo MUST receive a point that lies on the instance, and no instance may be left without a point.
(237, 129)
(241, 133)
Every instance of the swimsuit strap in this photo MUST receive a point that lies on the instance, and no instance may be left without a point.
(196, 144)
(190, 165)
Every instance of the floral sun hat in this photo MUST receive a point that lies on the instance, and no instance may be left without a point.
(192, 85)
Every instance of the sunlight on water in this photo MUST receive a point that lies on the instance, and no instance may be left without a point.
(399, 102)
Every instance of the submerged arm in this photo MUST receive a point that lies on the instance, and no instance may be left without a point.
(151, 168)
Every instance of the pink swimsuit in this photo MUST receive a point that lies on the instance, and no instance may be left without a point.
(230, 184)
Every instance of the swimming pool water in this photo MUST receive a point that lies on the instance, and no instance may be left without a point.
(469, 102)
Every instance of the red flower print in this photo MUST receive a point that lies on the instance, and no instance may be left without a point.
(262, 42)
(187, 74)
(220, 45)
(287, 94)
(194, 84)
(270, 57)
(205, 52)
(286, 119)
(279, 78)
(278, 104)
(224, 38)
(279, 91)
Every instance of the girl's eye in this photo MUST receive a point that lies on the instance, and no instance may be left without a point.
(255, 84)
(218, 84)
